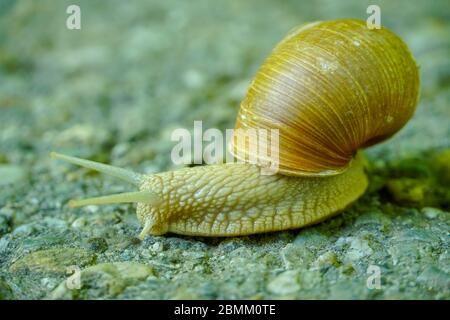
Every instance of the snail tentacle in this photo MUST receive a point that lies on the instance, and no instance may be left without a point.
(122, 174)
(144, 196)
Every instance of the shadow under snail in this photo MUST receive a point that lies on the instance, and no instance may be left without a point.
(330, 88)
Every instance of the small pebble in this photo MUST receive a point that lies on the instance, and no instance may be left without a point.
(22, 230)
(157, 247)
(359, 248)
(431, 213)
(326, 259)
(284, 283)
(79, 223)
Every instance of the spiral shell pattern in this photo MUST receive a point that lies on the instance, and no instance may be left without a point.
(330, 88)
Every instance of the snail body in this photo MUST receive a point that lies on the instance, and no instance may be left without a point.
(231, 199)
(236, 199)
(330, 88)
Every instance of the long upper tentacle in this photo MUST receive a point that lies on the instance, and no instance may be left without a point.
(123, 174)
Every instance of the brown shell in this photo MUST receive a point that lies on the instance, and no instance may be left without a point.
(330, 88)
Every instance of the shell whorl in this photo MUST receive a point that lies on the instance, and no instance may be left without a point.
(330, 88)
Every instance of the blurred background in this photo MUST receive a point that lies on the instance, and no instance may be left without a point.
(116, 89)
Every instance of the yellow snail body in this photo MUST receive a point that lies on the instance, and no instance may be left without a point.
(330, 88)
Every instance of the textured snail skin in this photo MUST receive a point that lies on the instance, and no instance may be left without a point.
(235, 199)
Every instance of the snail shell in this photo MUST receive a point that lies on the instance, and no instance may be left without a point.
(330, 88)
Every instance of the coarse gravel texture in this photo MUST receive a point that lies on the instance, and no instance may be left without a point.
(116, 89)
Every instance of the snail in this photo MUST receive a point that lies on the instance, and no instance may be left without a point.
(331, 88)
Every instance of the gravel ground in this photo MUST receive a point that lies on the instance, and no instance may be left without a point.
(114, 91)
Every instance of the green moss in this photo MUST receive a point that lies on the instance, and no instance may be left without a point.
(416, 168)
(441, 163)
(5, 290)
(55, 260)
(12, 63)
(420, 181)
(408, 191)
